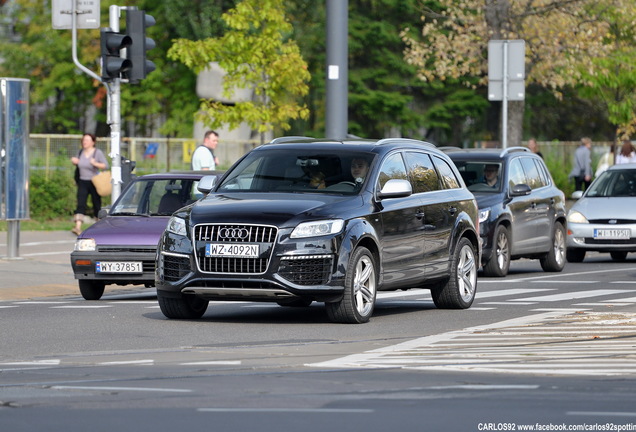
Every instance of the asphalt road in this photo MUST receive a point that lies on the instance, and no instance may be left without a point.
(555, 351)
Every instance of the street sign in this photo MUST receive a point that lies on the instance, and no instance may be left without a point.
(87, 13)
(506, 62)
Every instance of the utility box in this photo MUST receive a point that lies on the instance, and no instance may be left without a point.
(14, 136)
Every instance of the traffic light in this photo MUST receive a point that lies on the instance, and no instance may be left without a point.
(113, 63)
(136, 24)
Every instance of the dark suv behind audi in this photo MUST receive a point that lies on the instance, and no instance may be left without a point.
(521, 211)
(301, 220)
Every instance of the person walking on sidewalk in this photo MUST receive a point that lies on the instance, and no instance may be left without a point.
(89, 161)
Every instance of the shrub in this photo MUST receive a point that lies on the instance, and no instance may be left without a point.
(52, 198)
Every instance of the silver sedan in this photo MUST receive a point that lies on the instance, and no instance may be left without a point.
(604, 217)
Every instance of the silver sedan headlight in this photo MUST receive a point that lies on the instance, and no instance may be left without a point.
(577, 217)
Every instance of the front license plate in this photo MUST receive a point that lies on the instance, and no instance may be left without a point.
(118, 267)
(231, 250)
(612, 234)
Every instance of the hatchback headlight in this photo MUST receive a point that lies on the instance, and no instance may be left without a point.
(317, 228)
(85, 245)
(577, 217)
(177, 226)
(484, 214)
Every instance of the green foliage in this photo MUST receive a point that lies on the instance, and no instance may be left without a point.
(255, 53)
(52, 198)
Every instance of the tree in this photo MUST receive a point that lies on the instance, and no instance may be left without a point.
(255, 54)
(560, 36)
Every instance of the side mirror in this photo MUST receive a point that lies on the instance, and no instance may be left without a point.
(206, 184)
(577, 194)
(103, 212)
(520, 189)
(396, 188)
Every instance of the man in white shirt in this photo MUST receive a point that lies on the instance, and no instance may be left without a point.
(203, 157)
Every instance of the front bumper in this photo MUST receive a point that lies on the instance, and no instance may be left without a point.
(84, 264)
(582, 236)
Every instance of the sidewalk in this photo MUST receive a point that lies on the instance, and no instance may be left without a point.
(42, 267)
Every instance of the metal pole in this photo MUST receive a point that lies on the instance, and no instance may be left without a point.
(504, 122)
(13, 239)
(115, 117)
(337, 69)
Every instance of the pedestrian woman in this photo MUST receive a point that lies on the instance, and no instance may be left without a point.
(89, 161)
(627, 154)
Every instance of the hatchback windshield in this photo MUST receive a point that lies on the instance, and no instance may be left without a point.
(308, 170)
(619, 183)
(155, 197)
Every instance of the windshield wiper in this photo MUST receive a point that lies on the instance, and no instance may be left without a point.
(130, 214)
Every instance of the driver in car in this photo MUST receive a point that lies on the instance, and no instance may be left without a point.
(491, 175)
(359, 169)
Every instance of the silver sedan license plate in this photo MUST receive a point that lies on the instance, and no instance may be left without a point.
(612, 234)
(118, 267)
(236, 250)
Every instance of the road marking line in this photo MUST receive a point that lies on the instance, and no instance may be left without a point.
(213, 363)
(82, 307)
(287, 410)
(571, 295)
(98, 388)
(53, 362)
(129, 362)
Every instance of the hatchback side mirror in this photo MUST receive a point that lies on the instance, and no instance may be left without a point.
(577, 194)
(396, 188)
(206, 184)
(520, 190)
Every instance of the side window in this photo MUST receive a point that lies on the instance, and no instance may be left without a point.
(446, 172)
(532, 173)
(543, 173)
(392, 168)
(421, 172)
(515, 174)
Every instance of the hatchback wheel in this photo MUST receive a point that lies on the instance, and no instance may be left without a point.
(575, 255)
(91, 290)
(499, 261)
(459, 292)
(618, 255)
(186, 307)
(358, 301)
(554, 261)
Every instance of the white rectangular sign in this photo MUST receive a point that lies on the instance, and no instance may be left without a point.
(87, 13)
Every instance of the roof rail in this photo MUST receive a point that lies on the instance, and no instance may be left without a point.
(287, 139)
(513, 149)
(404, 140)
(447, 149)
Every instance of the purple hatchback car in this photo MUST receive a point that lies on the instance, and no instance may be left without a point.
(120, 247)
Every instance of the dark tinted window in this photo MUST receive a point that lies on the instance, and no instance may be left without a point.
(449, 179)
(535, 180)
(422, 174)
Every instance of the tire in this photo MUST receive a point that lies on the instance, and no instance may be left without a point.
(298, 302)
(186, 307)
(91, 290)
(575, 255)
(499, 262)
(619, 256)
(459, 292)
(554, 261)
(358, 300)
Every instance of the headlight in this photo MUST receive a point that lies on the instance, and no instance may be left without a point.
(317, 228)
(483, 215)
(85, 245)
(576, 217)
(177, 226)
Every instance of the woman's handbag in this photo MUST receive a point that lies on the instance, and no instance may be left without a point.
(102, 183)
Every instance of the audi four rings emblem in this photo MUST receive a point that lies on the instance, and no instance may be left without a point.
(234, 233)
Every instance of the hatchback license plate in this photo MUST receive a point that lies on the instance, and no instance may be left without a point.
(118, 267)
(231, 250)
(615, 234)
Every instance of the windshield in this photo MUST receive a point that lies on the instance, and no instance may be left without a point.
(480, 176)
(619, 183)
(299, 170)
(155, 197)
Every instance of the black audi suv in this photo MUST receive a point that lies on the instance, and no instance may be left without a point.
(300, 220)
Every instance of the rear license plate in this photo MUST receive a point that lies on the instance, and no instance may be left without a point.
(231, 250)
(613, 234)
(118, 267)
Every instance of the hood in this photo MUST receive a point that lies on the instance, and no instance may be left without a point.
(127, 230)
(488, 199)
(272, 208)
(606, 208)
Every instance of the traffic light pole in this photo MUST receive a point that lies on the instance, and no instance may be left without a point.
(114, 100)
